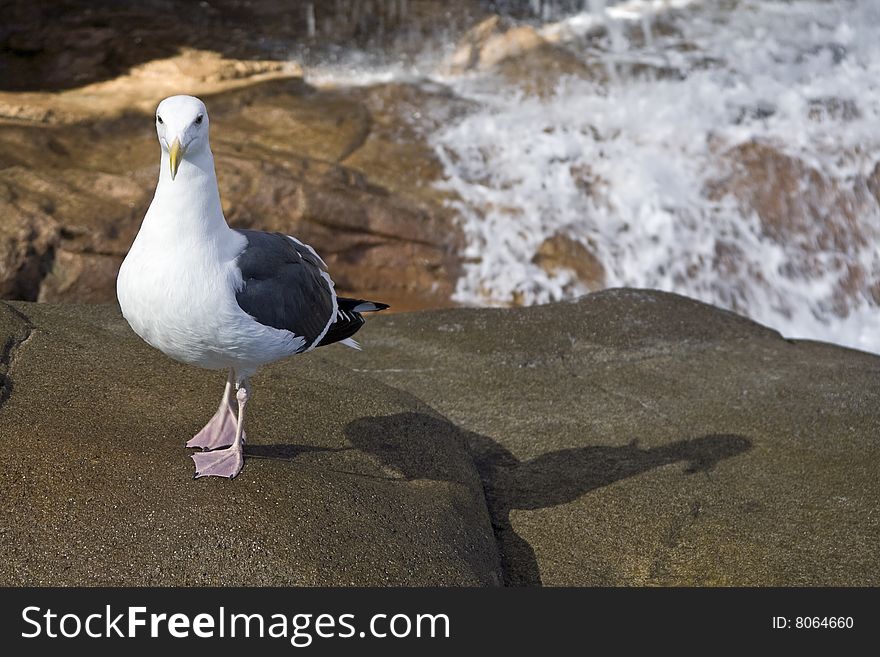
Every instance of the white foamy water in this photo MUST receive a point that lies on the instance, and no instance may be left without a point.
(623, 167)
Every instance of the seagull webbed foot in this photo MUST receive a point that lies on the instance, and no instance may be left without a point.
(219, 463)
(218, 432)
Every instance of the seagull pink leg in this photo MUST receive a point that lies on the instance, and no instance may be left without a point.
(226, 462)
(220, 430)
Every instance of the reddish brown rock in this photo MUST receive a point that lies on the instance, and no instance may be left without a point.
(521, 55)
(72, 190)
(80, 277)
(811, 213)
(492, 41)
(562, 252)
(26, 249)
(402, 117)
(797, 204)
(344, 170)
(66, 44)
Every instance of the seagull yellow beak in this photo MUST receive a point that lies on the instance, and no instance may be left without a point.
(176, 153)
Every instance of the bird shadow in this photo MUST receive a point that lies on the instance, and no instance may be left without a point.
(409, 442)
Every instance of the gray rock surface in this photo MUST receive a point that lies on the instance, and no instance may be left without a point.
(629, 438)
(97, 487)
(642, 438)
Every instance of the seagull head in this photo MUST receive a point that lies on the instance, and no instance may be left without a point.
(182, 126)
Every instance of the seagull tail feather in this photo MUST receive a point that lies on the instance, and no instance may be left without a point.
(369, 306)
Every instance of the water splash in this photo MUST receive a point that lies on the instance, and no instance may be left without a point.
(623, 167)
(637, 169)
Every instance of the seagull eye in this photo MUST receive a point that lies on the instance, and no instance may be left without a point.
(159, 119)
(199, 119)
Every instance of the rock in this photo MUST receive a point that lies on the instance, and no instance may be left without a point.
(326, 165)
(541, 70)
(491, 42)
(795, 202)
(468, 53)
(345, 182)
(80, 277)
(562, 252)
(521, 56)
(346, 169)
(196, 71)
(100, 491)
(628, 438)
(27, 243)
(78, 190)
(537, 61)
(642, 438)
(74, 43)
(816, 217)
(402, 118)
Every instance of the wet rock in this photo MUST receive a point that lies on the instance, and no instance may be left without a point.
(72, 43)
(521, 56)
(492, 41)
(537, 61)
(795, 202)
(543, 69)
(403, 116)
(562, 252)
(817, 218)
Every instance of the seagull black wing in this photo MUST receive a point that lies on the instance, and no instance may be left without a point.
(284, 285)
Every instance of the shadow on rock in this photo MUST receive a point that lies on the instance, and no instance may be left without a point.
(406, 442)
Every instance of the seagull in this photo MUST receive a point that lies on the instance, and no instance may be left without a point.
(221, 298)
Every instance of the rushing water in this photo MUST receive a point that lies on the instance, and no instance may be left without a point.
(800, 75)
